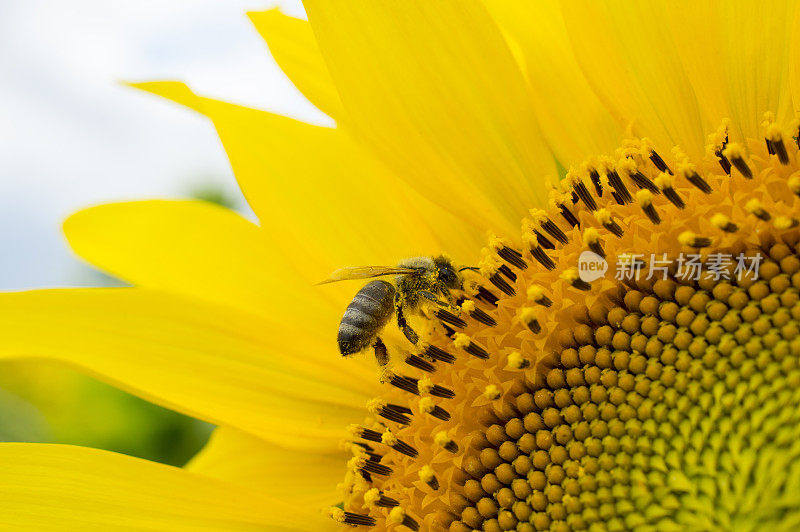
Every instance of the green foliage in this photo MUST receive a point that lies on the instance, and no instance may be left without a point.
(45, 403)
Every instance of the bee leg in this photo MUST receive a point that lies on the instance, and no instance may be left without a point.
(432, 297)
(381, 353)
(412, 336)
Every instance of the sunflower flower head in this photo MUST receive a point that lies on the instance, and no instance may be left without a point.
(659, 396)
(623, 353)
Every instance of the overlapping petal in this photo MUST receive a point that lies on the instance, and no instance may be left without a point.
(294, 48)
(794, 63)
(58, 488)
(756, 55)
(322, 202)
(676, 69)
(307, 479)
(193, 248)
(227, 326)
(277, 380)
(737, 57)
(435, 92)
(627, 54)
(574, 122)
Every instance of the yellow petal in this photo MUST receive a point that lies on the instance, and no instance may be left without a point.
(628, 55)
(697, 33)
(736, 54)
(193, 248)
(295, 49)
(794, 63)
(307, 479)
(675, 69)
(433, 89)
(573, 120)
(64, 488)
(756, 55)
(275, 379)
(322, 201)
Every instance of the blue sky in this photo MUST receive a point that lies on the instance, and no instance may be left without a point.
(71, 136)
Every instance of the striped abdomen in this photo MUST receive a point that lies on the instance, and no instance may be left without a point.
(365, 316)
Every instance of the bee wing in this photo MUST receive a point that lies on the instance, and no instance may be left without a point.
(364, 272)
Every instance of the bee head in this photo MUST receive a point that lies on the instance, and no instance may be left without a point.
(446, 273)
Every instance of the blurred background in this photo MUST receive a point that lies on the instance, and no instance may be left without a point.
(72, 136)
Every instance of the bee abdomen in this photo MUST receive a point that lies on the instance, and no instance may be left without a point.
(365, 316)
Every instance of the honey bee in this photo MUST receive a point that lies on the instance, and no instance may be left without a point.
(416, 279)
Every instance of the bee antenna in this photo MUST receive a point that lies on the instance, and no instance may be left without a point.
(473, 268)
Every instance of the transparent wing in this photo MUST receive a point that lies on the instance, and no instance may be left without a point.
(364, 272)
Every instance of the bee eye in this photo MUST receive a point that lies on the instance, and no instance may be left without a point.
(447, 275)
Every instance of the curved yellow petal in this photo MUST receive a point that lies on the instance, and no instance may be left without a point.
(307, 479)
(321, 200)
(697, 35)
(295, 49)
(193, 248)
(756, 55)
(433, 90)
(676, 69)
(574, 122)
(794, 63)
(736, 54)
(64, 488)
(275, 379)
(628, 55)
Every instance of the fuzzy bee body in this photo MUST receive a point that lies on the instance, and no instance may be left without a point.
(365, 317)
(376, 302)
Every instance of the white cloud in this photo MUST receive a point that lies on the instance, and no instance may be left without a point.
(71, 136)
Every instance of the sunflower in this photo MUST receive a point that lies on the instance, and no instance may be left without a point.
(544, 395)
